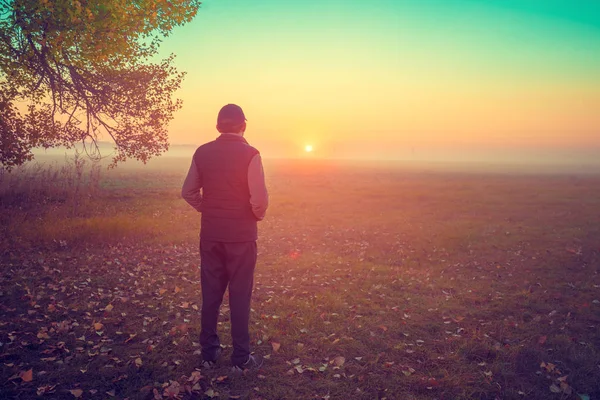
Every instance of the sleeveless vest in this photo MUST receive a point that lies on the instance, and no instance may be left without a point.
(226, 211)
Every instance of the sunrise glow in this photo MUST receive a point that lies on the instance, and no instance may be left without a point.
(394, 79)
(308, 148)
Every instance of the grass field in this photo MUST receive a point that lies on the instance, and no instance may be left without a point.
(374, 281)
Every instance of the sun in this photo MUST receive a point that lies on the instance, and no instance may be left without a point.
(308, 148)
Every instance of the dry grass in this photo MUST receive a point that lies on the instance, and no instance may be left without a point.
(428, 284)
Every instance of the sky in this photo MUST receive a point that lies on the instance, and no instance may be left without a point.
(394, 78)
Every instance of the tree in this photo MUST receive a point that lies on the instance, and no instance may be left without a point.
(73, 70)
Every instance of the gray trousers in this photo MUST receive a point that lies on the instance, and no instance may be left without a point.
(221, 265)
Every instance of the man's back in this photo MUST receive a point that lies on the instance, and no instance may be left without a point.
(226, 183)
(226, 209)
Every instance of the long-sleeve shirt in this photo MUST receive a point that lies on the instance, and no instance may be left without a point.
(259, 198)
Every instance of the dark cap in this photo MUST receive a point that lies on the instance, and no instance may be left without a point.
(231, 115)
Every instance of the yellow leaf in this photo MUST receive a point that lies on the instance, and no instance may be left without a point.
(162, 291)
(43, 335)
(276, 346)
(76, 392)
(178, 289)
(98, 326)
(108, 308)
(339, 361)
(138, 362)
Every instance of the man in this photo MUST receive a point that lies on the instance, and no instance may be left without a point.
(234, 197)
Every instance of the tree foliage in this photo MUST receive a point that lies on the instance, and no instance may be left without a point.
(74, 70)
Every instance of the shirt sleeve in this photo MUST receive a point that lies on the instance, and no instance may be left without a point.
(191, 187)
(259, 198)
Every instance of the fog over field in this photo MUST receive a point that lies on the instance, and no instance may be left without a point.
(456, 158)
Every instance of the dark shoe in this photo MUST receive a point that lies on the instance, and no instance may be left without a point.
(210, 364)
(254, 363)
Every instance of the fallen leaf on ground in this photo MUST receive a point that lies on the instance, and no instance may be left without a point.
(43, 335)
(276, 346)
(76, 392)
(339, 361)
(195, 377)
(42, 390)
(173, 389)
(26, 376)
(564, 386)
